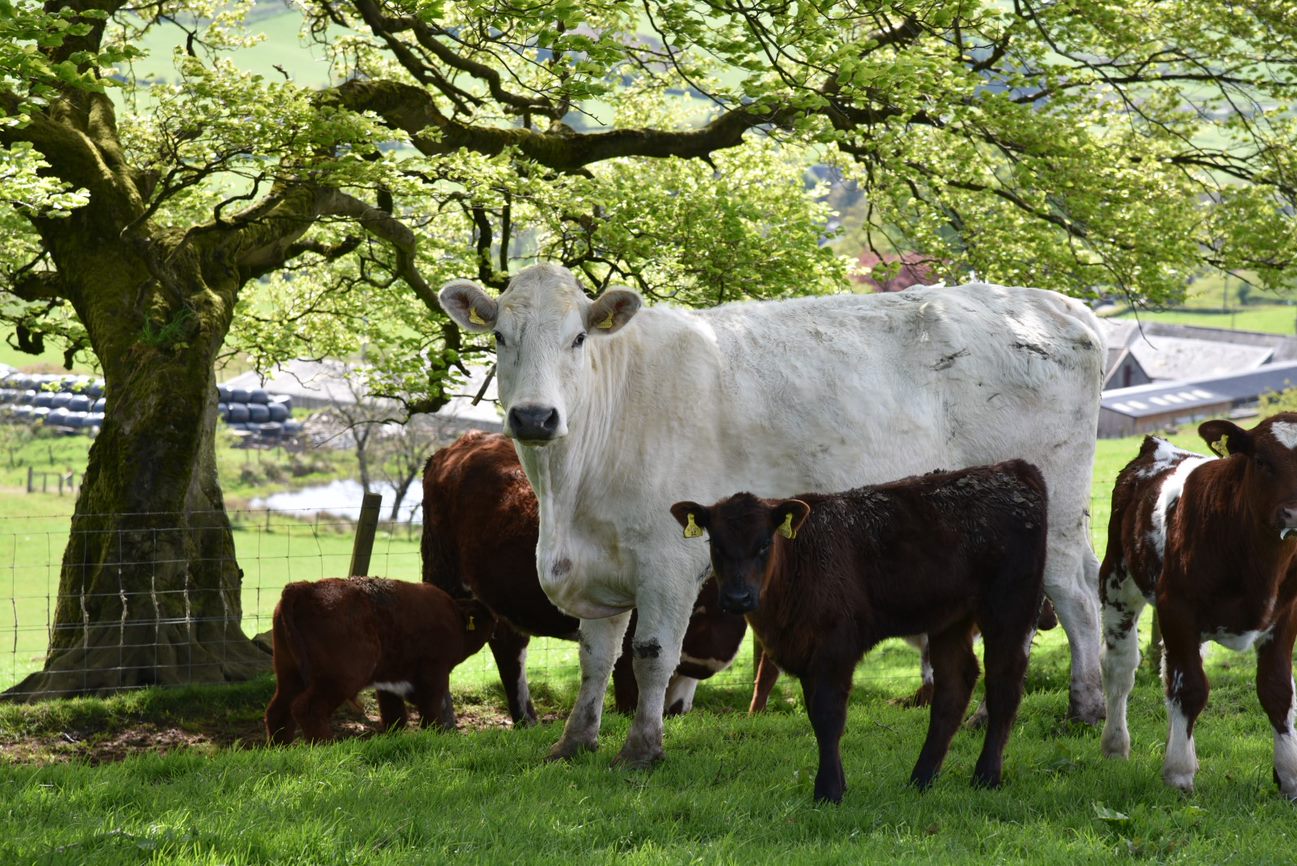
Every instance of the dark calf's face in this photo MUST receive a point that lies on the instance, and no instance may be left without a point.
(1270, 479)
(742, 532)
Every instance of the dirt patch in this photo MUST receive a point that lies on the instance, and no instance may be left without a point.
(120, 741)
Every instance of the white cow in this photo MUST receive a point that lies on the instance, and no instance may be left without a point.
(618, 412)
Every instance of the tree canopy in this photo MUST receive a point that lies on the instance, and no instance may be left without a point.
(684, 148)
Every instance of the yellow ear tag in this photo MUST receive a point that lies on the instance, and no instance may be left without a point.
(693, 530)
(606, 324)
(786, 528)
(1221, 446)
(472, 626)
(474, 316)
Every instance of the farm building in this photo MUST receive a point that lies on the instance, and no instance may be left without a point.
(1142, 353)
(1159, 405)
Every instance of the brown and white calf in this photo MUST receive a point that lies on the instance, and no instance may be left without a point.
(825, 577)
(336, 637)
(1206, 540)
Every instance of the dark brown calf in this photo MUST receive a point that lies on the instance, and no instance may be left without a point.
(1207, 541)
(480, 531)
(825, 577)
(336, 637)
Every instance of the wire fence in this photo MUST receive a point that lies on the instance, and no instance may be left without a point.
(173, 630)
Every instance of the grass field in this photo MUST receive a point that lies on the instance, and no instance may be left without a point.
(1269, 319)
(732, 790)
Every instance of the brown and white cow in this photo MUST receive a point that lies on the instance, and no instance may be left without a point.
(825, 577)
(1206, 540)
(336, 637)
(480, 530)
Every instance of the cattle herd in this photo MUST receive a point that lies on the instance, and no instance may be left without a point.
(795, 419)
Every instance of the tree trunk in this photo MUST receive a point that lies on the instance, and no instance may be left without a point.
(149, 592)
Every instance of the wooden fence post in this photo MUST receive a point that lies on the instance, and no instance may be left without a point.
(31, 480)
(366, 529)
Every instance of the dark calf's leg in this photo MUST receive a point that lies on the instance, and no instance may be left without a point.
(767, 676)
(432, 697)
(391, 707)
(826, 704)
(280, 726)
(1274, 686)
(1006, 670)
(312, 710)
(954, 673)
(625, 690)
(509, 646)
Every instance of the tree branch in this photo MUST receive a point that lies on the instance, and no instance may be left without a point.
(412, 109)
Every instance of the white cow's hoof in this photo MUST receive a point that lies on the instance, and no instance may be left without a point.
(567, 749)
(1116, 744)
(1182, 782)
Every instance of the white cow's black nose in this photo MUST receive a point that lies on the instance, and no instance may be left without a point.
(530, 423)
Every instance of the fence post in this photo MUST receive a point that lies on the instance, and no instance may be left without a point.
(366, 529)
(31, 481)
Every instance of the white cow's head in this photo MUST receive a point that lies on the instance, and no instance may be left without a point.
(541, 323)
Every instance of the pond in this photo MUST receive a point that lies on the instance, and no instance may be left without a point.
(341, 498)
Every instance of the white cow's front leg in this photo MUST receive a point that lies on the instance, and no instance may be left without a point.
(1122, 604)
(600, 643)
(655, 648)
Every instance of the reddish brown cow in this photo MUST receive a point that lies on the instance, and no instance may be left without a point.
(336, 637)
(1206, 540)
(941, 554)
(480, 529)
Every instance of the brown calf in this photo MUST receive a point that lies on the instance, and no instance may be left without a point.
(944, 553)
(336, 637)
(1206, 540)
(480, 531)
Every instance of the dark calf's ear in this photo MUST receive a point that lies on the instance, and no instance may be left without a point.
(1225, 437)
(692, 516)
(788, 517)
(611, 310)
(470, 307)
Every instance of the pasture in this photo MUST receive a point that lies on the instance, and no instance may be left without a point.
(196, 786)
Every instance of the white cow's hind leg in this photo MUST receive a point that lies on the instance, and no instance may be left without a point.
(600, 643)
(1072, 584)
(1122, 605)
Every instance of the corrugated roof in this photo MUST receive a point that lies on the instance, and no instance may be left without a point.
(1189, 394)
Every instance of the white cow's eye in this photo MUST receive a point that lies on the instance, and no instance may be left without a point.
(499, 338)
(579, 341)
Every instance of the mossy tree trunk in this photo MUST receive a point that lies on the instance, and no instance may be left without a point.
(149, 591)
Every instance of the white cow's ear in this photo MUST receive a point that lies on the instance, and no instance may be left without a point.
(611, 310)
(470, 307)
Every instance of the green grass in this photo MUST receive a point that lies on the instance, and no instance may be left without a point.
(733, 789)
(1269, 319)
